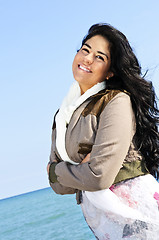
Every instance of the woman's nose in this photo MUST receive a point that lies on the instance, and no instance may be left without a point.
(89, 58)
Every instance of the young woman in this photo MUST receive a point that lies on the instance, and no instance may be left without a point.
(105, 140)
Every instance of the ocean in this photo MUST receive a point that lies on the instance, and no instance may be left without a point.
(42, 215)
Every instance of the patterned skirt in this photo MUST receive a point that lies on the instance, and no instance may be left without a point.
(128, 210)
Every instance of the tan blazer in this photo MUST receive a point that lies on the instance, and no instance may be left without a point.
(104, 125)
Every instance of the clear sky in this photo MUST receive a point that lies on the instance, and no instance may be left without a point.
(38, 40)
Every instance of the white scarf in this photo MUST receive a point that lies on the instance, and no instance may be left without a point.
(105, 199)
(70, 103)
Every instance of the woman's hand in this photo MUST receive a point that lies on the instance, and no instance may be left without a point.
(48, 166)
(86, 159)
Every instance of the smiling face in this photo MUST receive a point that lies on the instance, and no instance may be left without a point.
(92, 62)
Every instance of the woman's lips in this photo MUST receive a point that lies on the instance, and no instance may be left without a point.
(84, 68)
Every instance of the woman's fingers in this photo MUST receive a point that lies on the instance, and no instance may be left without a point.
(86, 159)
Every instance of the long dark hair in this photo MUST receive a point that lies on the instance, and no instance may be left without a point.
(128, 76)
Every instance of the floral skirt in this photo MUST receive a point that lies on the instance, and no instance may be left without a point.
(128, 210)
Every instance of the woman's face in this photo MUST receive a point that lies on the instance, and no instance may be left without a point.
(92, 62)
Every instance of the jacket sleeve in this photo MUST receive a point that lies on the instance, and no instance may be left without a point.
(52, 154)
(55, 185)
(113, 138)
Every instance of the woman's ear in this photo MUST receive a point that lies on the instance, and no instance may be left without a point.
(109, 75)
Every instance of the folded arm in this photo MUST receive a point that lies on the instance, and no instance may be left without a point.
(113, 138)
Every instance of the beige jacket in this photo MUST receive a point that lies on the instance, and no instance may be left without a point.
(104, 125)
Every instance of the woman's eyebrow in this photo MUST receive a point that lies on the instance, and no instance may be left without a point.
(87, 45)
(97, 51)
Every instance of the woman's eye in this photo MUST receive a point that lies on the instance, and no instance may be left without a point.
(100, 57)
(85, 50)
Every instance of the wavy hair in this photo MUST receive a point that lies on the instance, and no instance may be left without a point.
(128, 76)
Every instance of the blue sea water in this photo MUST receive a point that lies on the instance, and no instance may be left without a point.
(42, 215)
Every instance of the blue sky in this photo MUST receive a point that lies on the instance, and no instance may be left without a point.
(38, 40)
